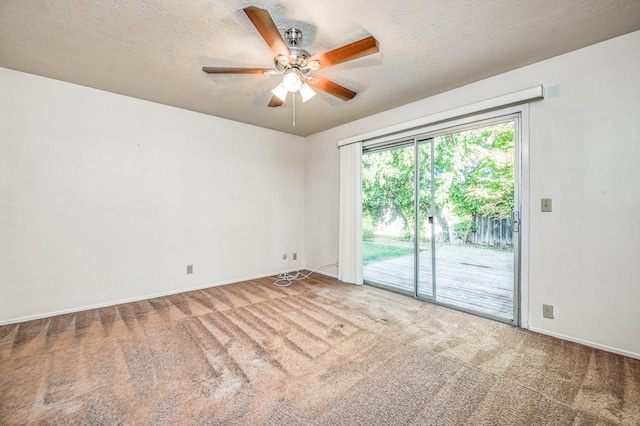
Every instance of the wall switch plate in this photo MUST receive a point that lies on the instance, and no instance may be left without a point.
(547, 311)
(545, 204)
(295, 256)
(189, 269)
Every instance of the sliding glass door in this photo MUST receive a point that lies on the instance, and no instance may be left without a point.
(437, 217)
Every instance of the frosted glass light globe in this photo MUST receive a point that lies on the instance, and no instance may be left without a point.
(291, 82)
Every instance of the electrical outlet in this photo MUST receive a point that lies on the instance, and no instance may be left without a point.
(545, 204)
(547, 311)
(189, 269)
(295, 256)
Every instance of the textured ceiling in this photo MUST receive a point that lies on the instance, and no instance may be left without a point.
(155, 49)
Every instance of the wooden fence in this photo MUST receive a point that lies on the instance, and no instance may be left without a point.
(492, 232)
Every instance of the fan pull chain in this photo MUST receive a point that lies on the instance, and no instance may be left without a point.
(294, 109)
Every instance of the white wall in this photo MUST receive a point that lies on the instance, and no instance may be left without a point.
(584, 154)
(106, 198)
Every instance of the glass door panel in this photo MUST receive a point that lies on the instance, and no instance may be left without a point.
(474, 193)
(388, 198)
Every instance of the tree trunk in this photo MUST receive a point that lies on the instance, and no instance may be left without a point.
(443, 224)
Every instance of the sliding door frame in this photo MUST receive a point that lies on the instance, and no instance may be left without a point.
(416, 207)
(519, 114)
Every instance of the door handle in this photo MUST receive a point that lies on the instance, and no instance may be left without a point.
(515, 221)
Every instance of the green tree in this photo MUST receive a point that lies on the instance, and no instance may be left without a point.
(387, 186)
(473, 177)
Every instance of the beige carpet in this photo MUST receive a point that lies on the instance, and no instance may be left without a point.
(316, 353)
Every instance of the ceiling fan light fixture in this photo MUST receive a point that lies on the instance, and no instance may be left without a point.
(291, 82)
(280, 92)
(295, 64)
(306, 92)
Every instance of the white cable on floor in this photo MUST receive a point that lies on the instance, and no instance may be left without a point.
(287, 278)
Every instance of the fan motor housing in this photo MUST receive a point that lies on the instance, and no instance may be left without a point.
(297, 56)
(299, 52)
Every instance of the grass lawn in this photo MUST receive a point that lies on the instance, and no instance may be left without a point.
(372, 251)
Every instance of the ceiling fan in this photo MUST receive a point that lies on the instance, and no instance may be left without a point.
(296, 64)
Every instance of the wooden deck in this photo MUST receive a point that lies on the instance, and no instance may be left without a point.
(471, 278)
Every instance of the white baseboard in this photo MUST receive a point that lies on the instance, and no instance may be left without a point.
(327, 274)
(587, 343)
(132, 299)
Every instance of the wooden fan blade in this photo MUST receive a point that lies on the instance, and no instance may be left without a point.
(331, 88)
(268, 30)
(357, 49)
(275, 101)
(226, 70)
